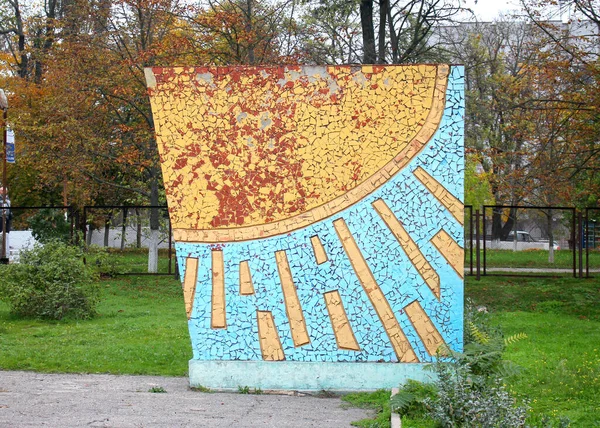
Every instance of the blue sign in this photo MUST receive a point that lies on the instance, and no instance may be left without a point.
(10, 146)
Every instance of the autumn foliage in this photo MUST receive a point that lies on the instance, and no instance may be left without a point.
(81, 112)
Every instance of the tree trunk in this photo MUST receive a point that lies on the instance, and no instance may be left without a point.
(107, 229)
(515, 237)
(251, 58)
(550, 237)
(368, 31)
(383, 11)
(500, 231)
(124, 229)
(138, 229)
(153, 239)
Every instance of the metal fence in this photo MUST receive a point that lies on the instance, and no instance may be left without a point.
(515, 240)
(123, 232)
(498, 239)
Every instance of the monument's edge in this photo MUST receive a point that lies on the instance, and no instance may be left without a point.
(227, 375)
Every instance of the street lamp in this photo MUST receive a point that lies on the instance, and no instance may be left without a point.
(4, 107)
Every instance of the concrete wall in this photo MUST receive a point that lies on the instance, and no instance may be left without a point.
(318, 218)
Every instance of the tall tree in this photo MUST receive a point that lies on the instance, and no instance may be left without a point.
(494, 57)
(246, 32)
(392, 31)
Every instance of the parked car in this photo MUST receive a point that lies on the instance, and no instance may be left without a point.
(523, 236)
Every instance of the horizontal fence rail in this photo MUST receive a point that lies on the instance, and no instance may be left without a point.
(119, 222)
(527, 231)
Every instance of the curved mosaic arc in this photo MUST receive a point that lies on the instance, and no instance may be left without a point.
(297, 208)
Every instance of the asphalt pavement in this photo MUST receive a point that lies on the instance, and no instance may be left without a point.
(30, 399)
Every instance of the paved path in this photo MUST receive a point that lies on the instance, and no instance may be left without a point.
(56, 400)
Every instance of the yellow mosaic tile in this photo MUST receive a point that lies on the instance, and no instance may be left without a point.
(189, 284)
(344, 336)
(254, 152)
(411, 249)
(452, 252)
(292, 303)
(447, 199)
(218, 313)
(430, 336)
(400, 343)
(270, 345)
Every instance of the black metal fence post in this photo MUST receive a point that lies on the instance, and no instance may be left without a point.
(470, 208)
(484, 243)
(574, 241)
(587, 243)
(580, 242)
(477, 237)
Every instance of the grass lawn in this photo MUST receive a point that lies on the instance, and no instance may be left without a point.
(561, 356)
(133, 260)
(141, 329)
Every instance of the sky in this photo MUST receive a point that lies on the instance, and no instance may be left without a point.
(487, 10)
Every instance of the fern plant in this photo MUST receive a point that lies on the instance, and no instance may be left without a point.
(484, 346)
(479, 336)
(510, 340)
(467, 391)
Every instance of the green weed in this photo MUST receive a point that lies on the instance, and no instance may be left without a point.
(378, 401)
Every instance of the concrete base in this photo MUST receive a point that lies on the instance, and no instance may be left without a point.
(304, 376)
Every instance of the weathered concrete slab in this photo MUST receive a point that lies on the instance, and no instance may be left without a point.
(56, 400)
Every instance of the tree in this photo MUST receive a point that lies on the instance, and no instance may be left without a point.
(398, 31)
(494, 56)
(233, 32)
(85, 122)
(574, 44)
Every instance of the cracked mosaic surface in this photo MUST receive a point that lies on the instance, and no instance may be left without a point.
(256, 152)
(315, 209)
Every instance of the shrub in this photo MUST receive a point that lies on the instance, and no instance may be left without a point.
(50, 282)
(412, 398)
(468, 390)
(100, 259)
(462, 403)
(49, 224)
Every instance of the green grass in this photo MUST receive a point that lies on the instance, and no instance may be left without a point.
(563, 259)
(141, 329)
(562, 364)
(561, 357)
(579, 298)
(133, 260)
(378, 401)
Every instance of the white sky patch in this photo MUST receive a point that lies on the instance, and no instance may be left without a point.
(489, 10)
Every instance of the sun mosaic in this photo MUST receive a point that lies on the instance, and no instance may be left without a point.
(317, 210)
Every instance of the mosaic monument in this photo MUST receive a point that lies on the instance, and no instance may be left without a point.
(318, 219)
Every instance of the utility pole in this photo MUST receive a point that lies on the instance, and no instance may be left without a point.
(4, 107)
